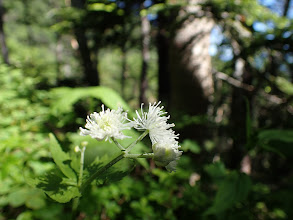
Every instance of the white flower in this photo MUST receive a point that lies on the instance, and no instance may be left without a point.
(106, 124)
(155, 121)
(166, 154)
(164, 140)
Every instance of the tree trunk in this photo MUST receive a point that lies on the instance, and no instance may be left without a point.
(89, 65)
(145, 32)
(286, 7)
(191, 82)
(163, 51)
(239, 109)
(4, 49)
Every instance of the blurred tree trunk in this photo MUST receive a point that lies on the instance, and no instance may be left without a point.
(162, 43)
(145, 33)
(286, 7)
(239, 108)
(191, 82)
(4, 49)
(87, 57)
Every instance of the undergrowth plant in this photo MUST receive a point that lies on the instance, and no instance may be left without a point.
(71, 178)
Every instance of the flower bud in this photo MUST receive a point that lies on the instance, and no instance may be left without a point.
(166, 155)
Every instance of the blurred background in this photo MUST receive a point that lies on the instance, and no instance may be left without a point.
(222, 69)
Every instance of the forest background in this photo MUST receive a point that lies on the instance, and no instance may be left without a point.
(222, 69)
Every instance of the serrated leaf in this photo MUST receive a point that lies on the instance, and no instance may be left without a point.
(64, 195)
(58, 188)
(232, 190)
(61, 158)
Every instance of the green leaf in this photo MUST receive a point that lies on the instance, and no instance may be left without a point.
(64, 195)
(32, 198)
(61, 158)
(232, 190)
(217, 171)
(278, 141)
(18, 197)
(113, 174)
(190, 145)
(275, 134)
(64, 98)
(56, 187)
(284, 85)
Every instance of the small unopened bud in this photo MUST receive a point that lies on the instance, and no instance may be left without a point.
(163, 155)
(76, 149)
(84, 143)
(166, 155)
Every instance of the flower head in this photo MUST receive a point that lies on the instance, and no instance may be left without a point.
(106, 124)
(155, 121)
(164, 140)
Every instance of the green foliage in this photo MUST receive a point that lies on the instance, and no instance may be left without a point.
(62, 159)
(277, 141)
(192, 146)
(284, 85)
(44, 54)
(233, 189)
(65, 98)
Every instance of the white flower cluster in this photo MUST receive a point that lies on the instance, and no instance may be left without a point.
(164, 140)
(106, 124)
(110, 124)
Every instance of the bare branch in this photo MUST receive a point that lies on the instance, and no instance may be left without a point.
(236, 83)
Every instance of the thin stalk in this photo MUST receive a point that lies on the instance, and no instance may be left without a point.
(134, 156)
(81, 167)
(118, 145)
(127, 149)
(102, 170)
(76, 200)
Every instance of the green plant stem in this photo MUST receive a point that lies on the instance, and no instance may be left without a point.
(134, 156)
(81, 167)
(118, 145)
(127, 149)
(76, 200)
(102, 170)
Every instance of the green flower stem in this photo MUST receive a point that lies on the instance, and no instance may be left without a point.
(118, 145)
(81, 167)
(127, 149)
(102, 170)
(76, 200)
(134, 156)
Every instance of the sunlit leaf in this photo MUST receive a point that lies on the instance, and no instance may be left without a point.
(284, 85)
(61, 158)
